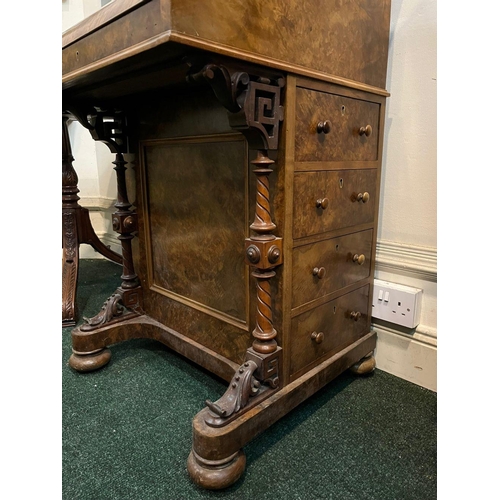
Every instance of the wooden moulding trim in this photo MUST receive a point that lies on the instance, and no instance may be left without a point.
(221, 316)
(315, 238)
(313, 166)
(353, 92)
(208, 45)
(400, 258)
(148, 44)
(99, 19)
(218, 443)
(141, 327)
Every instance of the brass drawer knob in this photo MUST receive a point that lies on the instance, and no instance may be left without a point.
(322, 203)
(360, 259)
(364, 197)
(366, 131)
(317, 337)
(355, 315)
(319, 272)
(324, 127)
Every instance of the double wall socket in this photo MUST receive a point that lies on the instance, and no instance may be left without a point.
(399, 304)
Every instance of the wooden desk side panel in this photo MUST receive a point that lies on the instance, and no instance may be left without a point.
(345, 39)
(197, 120)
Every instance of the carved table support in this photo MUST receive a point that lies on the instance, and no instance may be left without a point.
(76, 229)
(125, 302)
(254, 109)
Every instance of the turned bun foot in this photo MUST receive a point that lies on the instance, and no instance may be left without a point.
(365, 365)
(216, 474)
(87, 362)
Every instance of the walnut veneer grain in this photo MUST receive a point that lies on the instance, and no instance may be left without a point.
(256, 133)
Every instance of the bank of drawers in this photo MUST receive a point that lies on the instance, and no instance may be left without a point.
(334, 202)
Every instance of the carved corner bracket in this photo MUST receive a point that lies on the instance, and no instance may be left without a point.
(121, 305)
(254, 109)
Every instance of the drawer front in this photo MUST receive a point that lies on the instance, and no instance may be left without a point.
(321, 268)
(329, 328)
(329, 200)
(342, 139)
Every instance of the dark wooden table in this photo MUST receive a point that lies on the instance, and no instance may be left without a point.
(256, 130)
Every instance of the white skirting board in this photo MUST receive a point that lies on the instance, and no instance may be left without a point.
(101, 210)
(412, 357)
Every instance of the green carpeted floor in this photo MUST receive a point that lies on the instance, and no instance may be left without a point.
(127, 428)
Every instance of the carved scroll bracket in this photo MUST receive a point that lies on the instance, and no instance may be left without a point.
(255, 380)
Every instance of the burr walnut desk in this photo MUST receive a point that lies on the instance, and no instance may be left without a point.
(256, 130)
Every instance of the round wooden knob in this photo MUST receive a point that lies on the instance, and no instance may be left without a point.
(366, 131)
(322, 203)
(273, 254)
(364, 197)
(324, 127)
(355, 315)
(319, 272)
(317, 337)
(253, 254)
(360, 259)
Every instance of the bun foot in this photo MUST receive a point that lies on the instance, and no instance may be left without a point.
(365, 365)
(87, 362)
(216, 474)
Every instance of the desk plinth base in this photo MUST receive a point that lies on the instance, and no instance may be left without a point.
(217, 461)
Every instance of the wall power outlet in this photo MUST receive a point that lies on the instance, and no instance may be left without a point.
(395, 303)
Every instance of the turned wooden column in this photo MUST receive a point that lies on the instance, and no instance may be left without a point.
(254, 109)
(263, 250)
(69, 230)
(108, 126)
(126, 302)
(76, 230)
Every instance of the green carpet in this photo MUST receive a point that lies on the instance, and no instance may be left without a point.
(126, 428)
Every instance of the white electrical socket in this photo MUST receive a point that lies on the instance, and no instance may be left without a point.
(399, 304)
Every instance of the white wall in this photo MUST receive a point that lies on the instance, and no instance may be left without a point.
(96, 179)
(407, 235)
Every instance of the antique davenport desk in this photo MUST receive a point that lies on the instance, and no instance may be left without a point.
(256, 130)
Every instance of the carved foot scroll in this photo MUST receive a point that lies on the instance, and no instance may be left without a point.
(242, 386)
(121, 305)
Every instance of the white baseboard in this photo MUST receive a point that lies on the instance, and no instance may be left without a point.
(87, 252)
(411, 356)
(100, 209)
